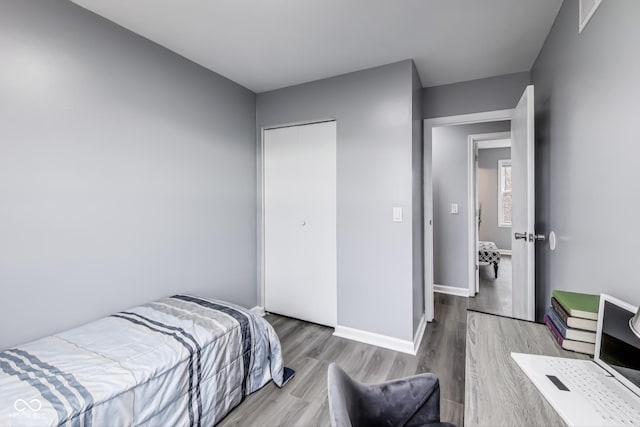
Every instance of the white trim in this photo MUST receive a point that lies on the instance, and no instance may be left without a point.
(501, 223)
(505, 252)
(301, 123)
(451, 290)
(258, 310)
(392, 343)
(472, 248)
(531, 201)
(417, 338)
(494, 143)
(465, 119)
(474, 141)
(489, 138)
(583, 22)
(261, 222)
(476, 224)
(429, 124)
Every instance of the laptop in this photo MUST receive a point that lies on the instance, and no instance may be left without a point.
(604, 391)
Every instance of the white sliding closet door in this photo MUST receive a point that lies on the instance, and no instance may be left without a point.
(300, 222)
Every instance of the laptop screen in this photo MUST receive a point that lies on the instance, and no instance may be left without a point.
(619, 347)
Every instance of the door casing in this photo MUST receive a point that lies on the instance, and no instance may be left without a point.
(429, 124)
(473, 143)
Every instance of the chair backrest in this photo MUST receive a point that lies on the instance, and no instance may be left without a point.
(409, 401)
(342, 396)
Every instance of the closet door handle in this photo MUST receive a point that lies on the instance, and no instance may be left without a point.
(520, 236)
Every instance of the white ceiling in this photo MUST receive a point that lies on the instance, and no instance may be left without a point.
(269, 44)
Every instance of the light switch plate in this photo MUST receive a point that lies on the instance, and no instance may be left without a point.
(397, 214)
(454, 208)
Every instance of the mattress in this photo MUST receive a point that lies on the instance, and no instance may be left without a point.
(179, 361)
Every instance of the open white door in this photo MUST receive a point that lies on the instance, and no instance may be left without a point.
(523, 207)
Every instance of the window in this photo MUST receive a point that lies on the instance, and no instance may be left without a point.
(504, 193)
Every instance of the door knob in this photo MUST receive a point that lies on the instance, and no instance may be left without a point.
(534, 237)
(303, 223)
(520, 236)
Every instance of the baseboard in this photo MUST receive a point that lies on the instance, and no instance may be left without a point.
(417, 339)
(259, 310)
(396, 344)
(451, 290)
(505, 251)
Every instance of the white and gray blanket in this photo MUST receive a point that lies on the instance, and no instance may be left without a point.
(179, 361)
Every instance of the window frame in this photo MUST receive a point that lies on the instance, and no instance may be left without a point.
(501, 222)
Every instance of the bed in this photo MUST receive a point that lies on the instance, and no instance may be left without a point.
(179, 361)
(489, 254)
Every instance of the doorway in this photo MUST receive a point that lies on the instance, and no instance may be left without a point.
(490, 190)
(454, 205)
(523, 234)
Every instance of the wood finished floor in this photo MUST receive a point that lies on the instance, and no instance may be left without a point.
(495, 296)
(309, 349)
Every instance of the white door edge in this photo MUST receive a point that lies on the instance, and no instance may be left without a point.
(523, 252)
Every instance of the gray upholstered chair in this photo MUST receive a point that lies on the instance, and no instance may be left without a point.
(406, 402)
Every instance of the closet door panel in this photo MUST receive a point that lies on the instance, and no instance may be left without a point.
(300, 222)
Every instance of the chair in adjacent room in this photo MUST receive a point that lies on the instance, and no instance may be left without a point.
(405, 402)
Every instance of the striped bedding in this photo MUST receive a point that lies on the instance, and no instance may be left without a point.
(179, 361)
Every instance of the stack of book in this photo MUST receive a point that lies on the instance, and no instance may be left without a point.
(572, 319)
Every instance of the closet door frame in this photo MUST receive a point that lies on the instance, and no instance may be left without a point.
(260, 309)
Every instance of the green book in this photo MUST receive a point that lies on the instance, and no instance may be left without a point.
(578, 305)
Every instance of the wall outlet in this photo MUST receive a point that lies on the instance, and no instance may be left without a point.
(454, 208)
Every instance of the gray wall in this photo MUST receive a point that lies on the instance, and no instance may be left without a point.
(587, 151)
(417, 198)
(373, 109)
(450, 175)
(128, 173)
(487, 176)
(493, 93)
